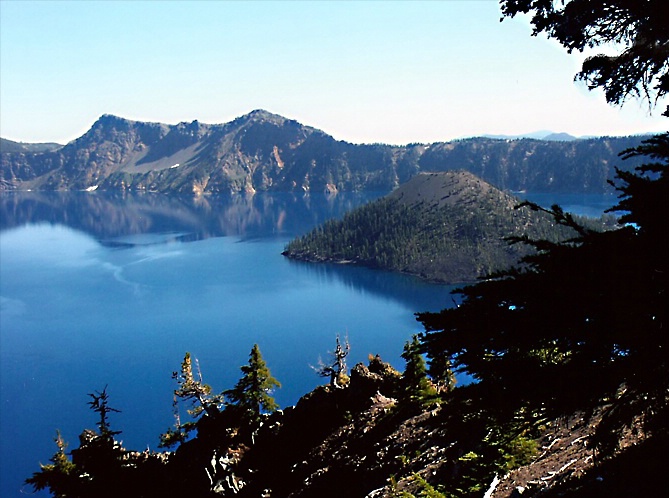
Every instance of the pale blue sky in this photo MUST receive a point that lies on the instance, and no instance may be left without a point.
(393, 72)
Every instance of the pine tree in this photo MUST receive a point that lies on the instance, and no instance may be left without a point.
(582, 322)
(100, 405)
(440, 371)
(191, 388)
(417, 387)
(194, 389)
(251, 396)
(59, 476)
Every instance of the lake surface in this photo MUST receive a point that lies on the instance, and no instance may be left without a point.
(111, 290)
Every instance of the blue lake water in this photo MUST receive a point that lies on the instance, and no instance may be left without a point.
(111, 290)
(592, 205)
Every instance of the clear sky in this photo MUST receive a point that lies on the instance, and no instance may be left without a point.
(377, 71)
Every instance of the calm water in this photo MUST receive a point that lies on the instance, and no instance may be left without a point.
(592, 205)
(107, 290)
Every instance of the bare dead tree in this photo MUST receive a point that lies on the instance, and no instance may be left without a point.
(336, 368)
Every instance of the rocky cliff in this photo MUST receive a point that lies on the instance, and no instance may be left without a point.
(264, 151)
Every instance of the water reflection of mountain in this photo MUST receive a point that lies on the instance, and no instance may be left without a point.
(410, 291)
(112, 215)
(134, 219)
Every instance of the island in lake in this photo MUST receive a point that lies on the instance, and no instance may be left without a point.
(450, 227)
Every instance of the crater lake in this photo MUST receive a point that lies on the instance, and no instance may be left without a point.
(111, 290)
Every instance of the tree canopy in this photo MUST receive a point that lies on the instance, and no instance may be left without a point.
(252, 393)
(455, 233)
(582, 322)
(636, 29)
(418, 389)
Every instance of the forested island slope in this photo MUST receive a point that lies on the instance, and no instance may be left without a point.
(261, 151)
(449, 227)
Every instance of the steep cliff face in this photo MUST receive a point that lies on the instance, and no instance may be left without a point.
(264, 151)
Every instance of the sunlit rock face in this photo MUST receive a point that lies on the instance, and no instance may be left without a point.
(261, 151)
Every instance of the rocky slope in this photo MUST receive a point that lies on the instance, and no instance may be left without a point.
(264, 151)
(364, 440)
(21, 147)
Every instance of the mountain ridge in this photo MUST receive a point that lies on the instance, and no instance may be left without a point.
(262, 151)
(7, 145)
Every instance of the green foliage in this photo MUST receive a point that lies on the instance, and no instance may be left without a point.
(100, 405)
(441, 373)
(99, 466)
(581, 319)
(197, 394)
(396, 492)
(520, 451)
(486, 447)
(422, 488)
(251, 396)
(457, 243)
(193, 389)
(56, 476)
(425, 489)
(418, 390)
(637, 30)
(477, 470)
(176, 435)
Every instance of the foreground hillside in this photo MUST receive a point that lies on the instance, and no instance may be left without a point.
(375, 437)
(266, 152)
(449, 227)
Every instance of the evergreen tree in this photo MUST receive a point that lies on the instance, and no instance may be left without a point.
(60, 476)
(97, 465)
(440, 371)
(582, 321)
(582, 325)
(417, 387)
(637, 30)
(251, 396)
(100, 405)
(192, 389)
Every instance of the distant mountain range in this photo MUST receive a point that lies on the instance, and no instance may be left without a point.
(261, 151)
(538, 135)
